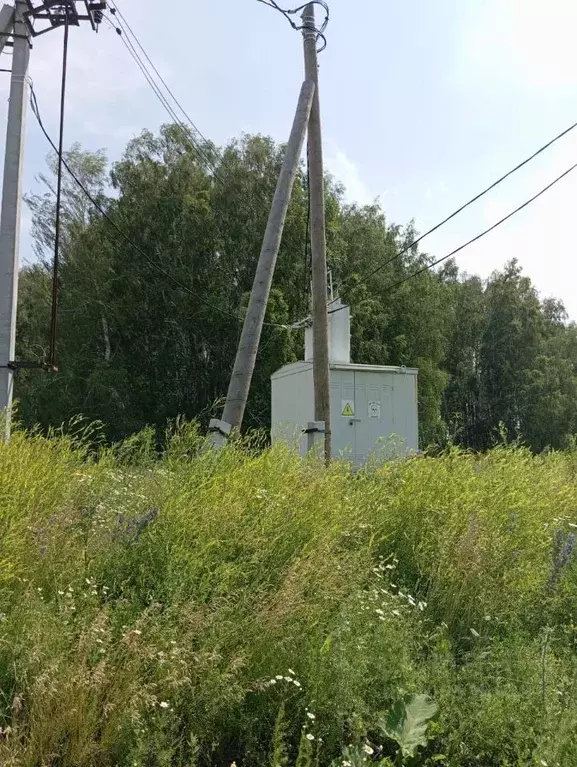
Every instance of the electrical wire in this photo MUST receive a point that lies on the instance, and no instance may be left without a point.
(288, 12)
(426, 268)
(455, 213)
(128, 43)
(60, 153)
(127, 238)
(307, 239)
(206, 161)
(116, 11)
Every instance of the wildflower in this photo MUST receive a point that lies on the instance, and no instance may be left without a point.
(421, 606)
(61, 593)
(272, 681)
(311, 715)
(137, 632)
(310, 736)
(163, 704)
(379, 612)
(280, 678)
(397, 613)
(368, 750)
(296, 683)
(294, 673)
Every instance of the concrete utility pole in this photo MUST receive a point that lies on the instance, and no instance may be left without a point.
(12, 202)
(252, 328)
(21, 23)
(321, 370)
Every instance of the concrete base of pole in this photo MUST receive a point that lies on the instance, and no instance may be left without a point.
(313, 439)
(218, 433)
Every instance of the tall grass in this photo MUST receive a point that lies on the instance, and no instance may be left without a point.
(255, 608)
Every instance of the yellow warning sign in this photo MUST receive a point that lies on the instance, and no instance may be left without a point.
(348, 408)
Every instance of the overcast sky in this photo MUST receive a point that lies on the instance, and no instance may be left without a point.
(424, 104)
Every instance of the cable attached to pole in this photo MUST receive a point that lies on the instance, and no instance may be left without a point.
(307, 263)
(288, 12)
(57, 224)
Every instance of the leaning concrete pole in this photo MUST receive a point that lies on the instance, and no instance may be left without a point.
(240, 381)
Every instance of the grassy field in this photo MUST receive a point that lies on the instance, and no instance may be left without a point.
(255, 609)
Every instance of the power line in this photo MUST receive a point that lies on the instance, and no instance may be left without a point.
(477, 197)
(116, 10)
(129, 240)
(129, 45)
(426, 268)
(121, 30)
(288, 13)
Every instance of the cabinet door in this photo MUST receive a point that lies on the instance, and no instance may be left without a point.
(374, 424)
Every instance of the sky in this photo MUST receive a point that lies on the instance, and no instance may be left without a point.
(424, 104)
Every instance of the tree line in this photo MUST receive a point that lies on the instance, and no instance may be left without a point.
(138, 346)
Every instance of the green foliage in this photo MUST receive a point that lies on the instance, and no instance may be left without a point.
(407, 723)
(255, 608)
(136, 350)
